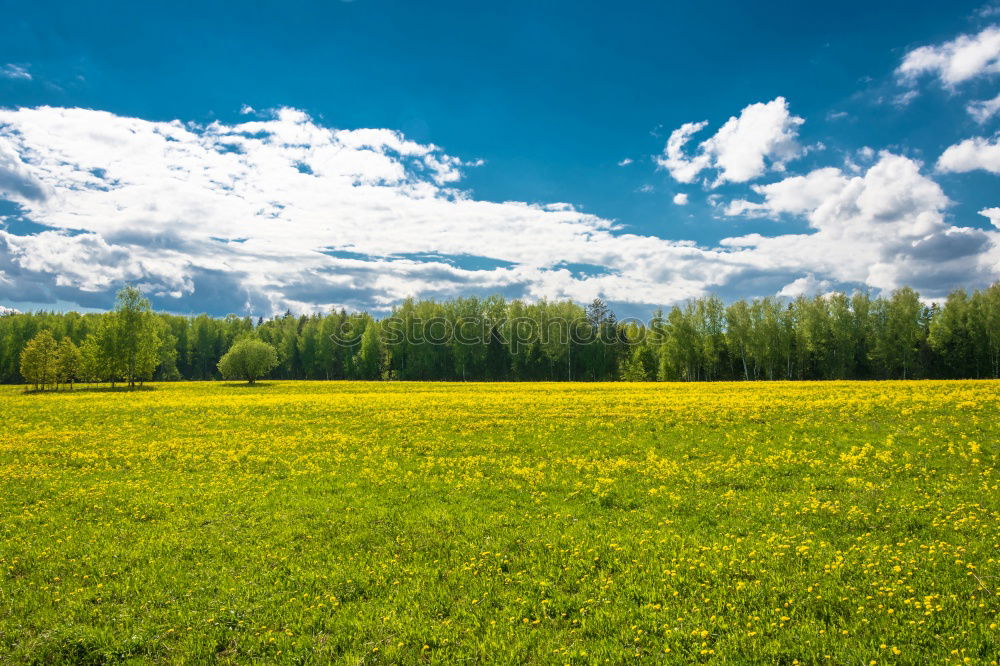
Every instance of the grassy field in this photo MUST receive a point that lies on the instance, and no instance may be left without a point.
(557, 523)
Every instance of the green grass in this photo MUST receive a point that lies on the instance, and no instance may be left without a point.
(299, 522)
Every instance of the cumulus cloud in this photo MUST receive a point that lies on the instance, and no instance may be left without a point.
(680, 166)
(807, 285)
(681, 199)
(296, 215)
(956, 61)
(12, 71)
(993, 215)
(885, 228)
(16, 181)
(281, 212)
(763, 136)
(970, 155)
(625, 161)
(796, 195)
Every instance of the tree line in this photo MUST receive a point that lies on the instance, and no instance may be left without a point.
(833, 336)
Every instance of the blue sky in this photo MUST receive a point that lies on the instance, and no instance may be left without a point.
(538, 103)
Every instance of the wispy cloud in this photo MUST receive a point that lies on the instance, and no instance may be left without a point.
(984, 110)
(12, 71)
(989, 11)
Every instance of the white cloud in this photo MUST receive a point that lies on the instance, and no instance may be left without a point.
(796, 195)
(956, 61)
(885, 228)
(993, 214)
(853, 162)
(625, 162)
(807, 285)
(971, 154)
(983, 110)
(292, 213)
(681, 199)
(16, 180)
(676, 162)
(12, 71)
(7, 311)
(281, 212)
(763, 136)
(71, 259)
(903, 99)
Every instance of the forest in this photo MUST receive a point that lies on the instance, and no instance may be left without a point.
(831, 336)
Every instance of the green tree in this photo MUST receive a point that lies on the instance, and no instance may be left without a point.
(601, 340)
(828, 337)
(91, 363)
(168, 353)
(985, 323)
(950, 336)
(842, 338)
(709, 317)
(203, 347)
(139, 341)
(861, 313)
(67, 362)
(368, 364)
(39, 360)
(739, 329)
(683, 352)
(898, 334)
(638, 363)
(249, 359)
(108, 356)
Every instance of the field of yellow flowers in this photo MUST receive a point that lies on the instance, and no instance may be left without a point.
(854, 523)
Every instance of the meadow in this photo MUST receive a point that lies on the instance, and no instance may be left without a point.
(309, 522)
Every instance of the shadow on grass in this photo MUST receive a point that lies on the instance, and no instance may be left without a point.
(88, 389)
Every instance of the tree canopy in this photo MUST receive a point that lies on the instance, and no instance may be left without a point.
(248, 359)
(39, 360)
(832, 336)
